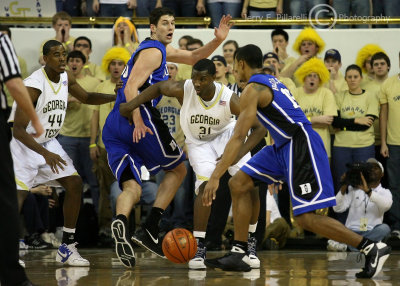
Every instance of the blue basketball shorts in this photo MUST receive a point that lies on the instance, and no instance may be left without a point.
(155, 152)
(303, 164)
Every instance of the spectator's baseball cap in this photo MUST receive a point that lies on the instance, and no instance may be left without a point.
(219, 58)
(270, 55)
(333, 54)
(373, 160)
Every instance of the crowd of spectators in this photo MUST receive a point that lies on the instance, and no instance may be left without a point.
(355, 114)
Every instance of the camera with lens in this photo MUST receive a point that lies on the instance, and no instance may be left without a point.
(353, 174)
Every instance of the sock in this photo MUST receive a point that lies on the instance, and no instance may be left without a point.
(153, 221)
(364, 242)
(252, 229)
(200, 236)
(123, 218)
(68, 235)
(241, 244)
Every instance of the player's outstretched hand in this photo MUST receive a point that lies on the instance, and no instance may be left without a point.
(210, 191)
(54, 161)
(140, 132)
(223, 29)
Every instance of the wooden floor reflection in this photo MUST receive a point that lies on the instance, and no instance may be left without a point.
(297, 268)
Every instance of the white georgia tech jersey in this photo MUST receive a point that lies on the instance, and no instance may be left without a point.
(51, 104)
(203, 121)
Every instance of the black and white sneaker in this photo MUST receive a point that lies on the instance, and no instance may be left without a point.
(144, 238)
(375, 256)
(123, 245)
(235, 260)
(197, 262)
(252, 250)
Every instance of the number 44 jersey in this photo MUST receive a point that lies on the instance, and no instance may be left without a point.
(201, 120)
(51, 104)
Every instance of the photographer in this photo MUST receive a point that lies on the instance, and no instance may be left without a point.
(366, 200)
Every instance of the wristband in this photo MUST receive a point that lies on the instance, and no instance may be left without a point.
(127, 44)
(93, 145)
(68, 42)
(309, 118)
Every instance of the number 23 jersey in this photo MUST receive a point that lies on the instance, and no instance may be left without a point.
(51, 104)
(203, 121)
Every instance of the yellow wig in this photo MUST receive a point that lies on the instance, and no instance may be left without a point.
(131, 26)
(310, 66)
(367, 51)
(309, 34)
(114, 54)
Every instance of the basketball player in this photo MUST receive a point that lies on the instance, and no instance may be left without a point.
(157, 150)
(298, 156)
(38, 161)
(207, 122)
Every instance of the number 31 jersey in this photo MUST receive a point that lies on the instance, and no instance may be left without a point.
(203, 121)
(51, 104)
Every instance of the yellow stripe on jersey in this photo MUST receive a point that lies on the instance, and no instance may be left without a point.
(21, 184)
(202, 178)
(216, 100)
(49, 81)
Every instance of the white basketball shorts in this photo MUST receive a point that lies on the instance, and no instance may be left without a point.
(30, 168)
(203, 157)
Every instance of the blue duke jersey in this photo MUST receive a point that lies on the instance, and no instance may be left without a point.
(282, 117)
(158, 75)
(298, 155)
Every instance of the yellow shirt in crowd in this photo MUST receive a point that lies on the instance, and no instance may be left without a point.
(352, 106)
(263, 4)
(104, 109)
(78, 116)
(390, 94)
(321, 102)
(374, 87)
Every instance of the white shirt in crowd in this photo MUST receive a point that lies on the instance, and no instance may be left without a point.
(364, 212)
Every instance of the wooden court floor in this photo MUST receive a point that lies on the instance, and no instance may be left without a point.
(285, 267)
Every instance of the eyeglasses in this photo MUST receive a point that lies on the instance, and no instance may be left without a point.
(82, 45)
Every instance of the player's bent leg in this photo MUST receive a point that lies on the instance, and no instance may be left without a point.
(375, 253)
(241, 186)
(68, 253)
(148, 235)
(169, 186)
(201, 215)
(131, 192)
(237, 259)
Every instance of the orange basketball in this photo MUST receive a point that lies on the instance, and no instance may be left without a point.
(179, 245)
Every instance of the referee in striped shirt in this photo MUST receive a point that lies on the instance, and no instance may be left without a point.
(11, 272)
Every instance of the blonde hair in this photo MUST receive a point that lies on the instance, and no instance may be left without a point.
(309, 34)
(310, 66)
(365, 52)
(115, 53)
(131, 26)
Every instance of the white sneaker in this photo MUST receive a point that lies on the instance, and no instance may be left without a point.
(68, 254)
(49, 237)
(69, 276)
(197, 262)
(336, 246)
(22, 263)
